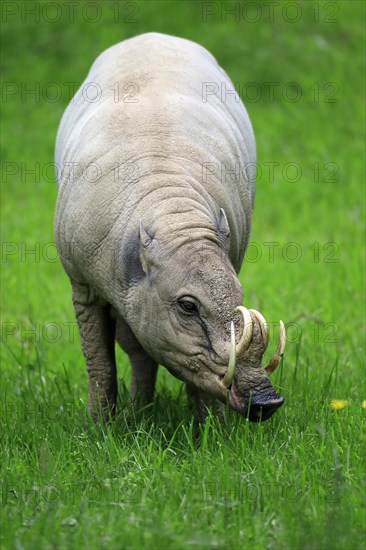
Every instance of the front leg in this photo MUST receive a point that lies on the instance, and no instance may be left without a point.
(204, 402)
(97, 332)
(143, 367)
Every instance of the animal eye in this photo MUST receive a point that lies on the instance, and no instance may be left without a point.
(188, 306)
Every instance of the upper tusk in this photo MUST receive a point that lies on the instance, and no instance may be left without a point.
(244, 341)
(263, 325)
(228, 378)
(273, 364)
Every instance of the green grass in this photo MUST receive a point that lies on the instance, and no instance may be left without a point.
(152, 481)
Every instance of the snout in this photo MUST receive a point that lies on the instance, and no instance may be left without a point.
(255, 406)
(260, 411)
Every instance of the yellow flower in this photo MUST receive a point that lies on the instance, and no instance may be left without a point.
(337, 404)
(364, 404)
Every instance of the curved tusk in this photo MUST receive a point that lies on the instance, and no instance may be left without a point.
(247, 331)
(228, 378)
(273, 364)
(263, 325)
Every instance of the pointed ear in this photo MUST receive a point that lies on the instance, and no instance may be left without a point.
(223, 228)
(146, 246)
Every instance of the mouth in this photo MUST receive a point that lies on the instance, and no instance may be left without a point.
(259, 408)
(261, 412)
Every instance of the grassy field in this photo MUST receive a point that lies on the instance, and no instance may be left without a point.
(150, 481)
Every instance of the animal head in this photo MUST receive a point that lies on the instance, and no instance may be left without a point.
(194, 324)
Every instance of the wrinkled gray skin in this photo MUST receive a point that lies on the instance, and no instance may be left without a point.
(128, 280)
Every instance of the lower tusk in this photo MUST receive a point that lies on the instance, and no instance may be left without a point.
(228, 378)
(263, 325)
(244, 341)
(274, 362)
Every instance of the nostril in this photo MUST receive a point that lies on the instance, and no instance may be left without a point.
(264, 410)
